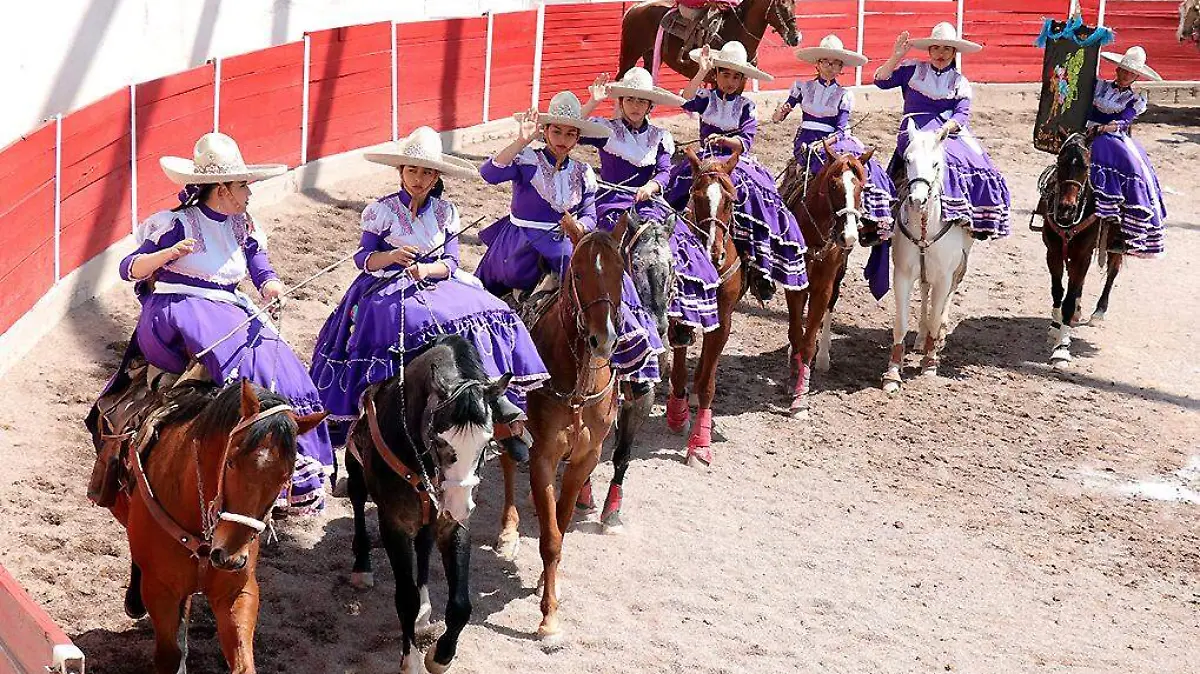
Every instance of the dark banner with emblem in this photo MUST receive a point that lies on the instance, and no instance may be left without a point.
(1068, 79)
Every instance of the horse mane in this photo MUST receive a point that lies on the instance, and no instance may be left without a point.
(215, 410)
(465, 409)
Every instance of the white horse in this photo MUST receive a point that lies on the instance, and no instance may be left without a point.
(1189, 21)
(928, 250)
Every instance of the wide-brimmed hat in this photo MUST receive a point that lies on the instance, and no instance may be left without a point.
(831, 48)
(639, 83)
(216, 159)
(944, 35)
(566, 110)
(733, 57)
(1133, 60)
(423, 147)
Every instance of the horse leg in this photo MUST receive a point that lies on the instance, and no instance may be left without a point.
(1055, 262)
(923, 323)
(166, 609)
(361, 575)
(633, 414)
(1114, 268)
(826, 337)
(940, 291)
(699, 447)
(509, 540)
(902, 294)
(798, 328)
(134, 606)
(401, 554)
(236, 615)
(424, 548)
(541, 478)
(455, 547)
(679, 412)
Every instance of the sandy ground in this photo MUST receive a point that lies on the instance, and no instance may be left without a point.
(1003, 517)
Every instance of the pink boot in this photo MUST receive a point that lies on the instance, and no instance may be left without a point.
(586, 503)
(700, 442)
(678, 413)
(611, 517)
(803, 378)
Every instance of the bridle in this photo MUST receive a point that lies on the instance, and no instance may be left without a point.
(923, 242)
(706, 227)
(826, 238)
(1067, 232)
(629, 244)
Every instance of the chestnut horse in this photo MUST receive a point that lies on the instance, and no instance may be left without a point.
(712, 198)
(202, 491)
(1072, 235)
(828, 210)
(417, 450)
(746, 24)
(572, 413)
(1189, 22)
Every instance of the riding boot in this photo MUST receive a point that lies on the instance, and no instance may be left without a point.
(868, 234)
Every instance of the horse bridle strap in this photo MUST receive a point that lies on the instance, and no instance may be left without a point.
(197, 545)
(412, 477)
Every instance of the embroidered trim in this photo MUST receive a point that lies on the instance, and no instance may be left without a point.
(638, 149)
(933, 85)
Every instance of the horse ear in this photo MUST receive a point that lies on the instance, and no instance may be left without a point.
(250, 402)
(911, 127)
(690, 152)
(627, 218)
(497, 386)
(732, 162)
(308, 422)
(830, 157)
(866, 156)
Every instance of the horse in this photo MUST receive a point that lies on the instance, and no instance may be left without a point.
(930, 250)
(640, 33)
(416, 450)
(1189, 22)
(1072, 235)
(572, 413)
(646, 248)
(710, 208)
(201, 491)
(828, 211)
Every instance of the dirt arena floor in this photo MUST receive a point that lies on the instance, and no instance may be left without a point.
(1004, 517)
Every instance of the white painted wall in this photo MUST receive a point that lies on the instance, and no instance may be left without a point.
(60, 55)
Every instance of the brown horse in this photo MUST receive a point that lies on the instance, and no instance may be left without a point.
(712, 198)
(1072, 234)
(201, 493)
(572, 413)
(828, 210)
(746, 24)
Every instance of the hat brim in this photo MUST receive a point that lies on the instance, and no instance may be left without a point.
(1144, 71)
(963, 46)
(447, 165)
(586, 128)
(814, 54)
(657, 96)
(182, 171)
(743, 68)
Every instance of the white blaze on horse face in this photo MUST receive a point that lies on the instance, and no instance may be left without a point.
(850, 227)
(458, 487)
(715, 198)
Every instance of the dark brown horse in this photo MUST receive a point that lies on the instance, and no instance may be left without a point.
(572, 413)
(416, 451)
(828, 209)
(712, 198)
(746, 24)
(1072, 234)
(202, 491)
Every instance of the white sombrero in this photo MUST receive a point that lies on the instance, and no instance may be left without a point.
(831, 48)
(1133, 60)
(217, 160)
(566, 110)
(733, 57)
(944, 35)
(423, 147)
(639, 83)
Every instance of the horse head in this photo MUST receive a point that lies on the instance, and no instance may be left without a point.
(451, 400)
(842, 181)
(594, 280)
(1071, 172)
(924, 163)
(1189, 22)
(712, 200)
(646, 246)
(255, 462)
(781, 15)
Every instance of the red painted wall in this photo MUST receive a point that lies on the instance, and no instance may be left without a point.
(513, 44)
(172, 113)
(441, 73)
(262, 99)
(27, 211)
(815, 19)
(579, 43)
(1151, 24)
(350, 88)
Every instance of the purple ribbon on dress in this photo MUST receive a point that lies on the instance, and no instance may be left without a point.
(188, 193)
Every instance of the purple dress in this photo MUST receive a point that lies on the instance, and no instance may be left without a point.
(1126, 186)
(194, 301)
(358, 346)
(632, 158)
(973, 190)
(528, 242)
(826, 110)
(765, 231)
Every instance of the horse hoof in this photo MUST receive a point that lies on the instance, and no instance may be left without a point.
(695, 460)
(134, 608)
(1056, 315)
(341, 488)
(508, 545)
(586, 503)
(1097, 317)
(610, 519)
(799, 408)
(1061, 358)
(434, 666)
(550, 633)
(362, 581)
(929, 369)
(823, 363)
(891, 386)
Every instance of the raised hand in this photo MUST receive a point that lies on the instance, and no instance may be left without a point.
(902, 44)
(527, 125)
(706, 59)
(599, 88)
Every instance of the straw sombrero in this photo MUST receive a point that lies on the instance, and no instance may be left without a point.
(639, 83)
(566, 110)
(944, 35)
(831, 48)
(1133, 60)
(733, 57)
(216, 159)
(423, 147)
